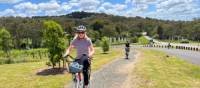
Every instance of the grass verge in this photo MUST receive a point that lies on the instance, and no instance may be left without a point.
(155, 69)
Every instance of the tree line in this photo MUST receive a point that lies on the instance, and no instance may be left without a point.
(27, 32)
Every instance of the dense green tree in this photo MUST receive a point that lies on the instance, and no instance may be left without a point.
(5, 41)
(98, 26)
(196, 32)
(55, 41)
(160, 32)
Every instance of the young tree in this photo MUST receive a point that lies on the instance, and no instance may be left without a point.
(160, 32)
(105, 44)
(55, 41)
(5, 41)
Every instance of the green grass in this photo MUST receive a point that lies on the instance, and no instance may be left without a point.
(172, 41)
(155, 69)
(142, 40)
(195, 43)
(23, 75)
(178, 41)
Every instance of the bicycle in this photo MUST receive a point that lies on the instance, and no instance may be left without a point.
(76, 69)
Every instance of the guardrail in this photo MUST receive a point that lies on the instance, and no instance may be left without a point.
(175, 46)
(172, 45)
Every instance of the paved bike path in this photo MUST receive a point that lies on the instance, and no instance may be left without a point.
(113, 74)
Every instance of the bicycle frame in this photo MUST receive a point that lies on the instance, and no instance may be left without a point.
(78, 81)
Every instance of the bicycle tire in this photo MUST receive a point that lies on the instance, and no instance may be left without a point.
(76, 81)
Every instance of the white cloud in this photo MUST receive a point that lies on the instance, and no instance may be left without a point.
(27, 9)
(66, 6)
(26, 6)
(85, 5)
(10, 1)
(7, 12)
(89, 4)
(117, 9)
(120, 7)
(141, 5)
(50, 8)
(167, 4)
(74, 3)
(182, 9)
(145, 1)
(164, 9)
(127, 1)
(54, 8)
(52, 5)
(61, 10)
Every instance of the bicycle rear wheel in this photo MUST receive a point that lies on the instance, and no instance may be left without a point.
(76, 81)
(127, 54)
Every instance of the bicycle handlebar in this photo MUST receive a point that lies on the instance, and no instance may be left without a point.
(90, 58)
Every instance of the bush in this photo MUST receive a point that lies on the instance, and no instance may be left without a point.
(105, 44)
(184, 41)
(143, 40)
(9, 61)
(134, 40)
(97, 43)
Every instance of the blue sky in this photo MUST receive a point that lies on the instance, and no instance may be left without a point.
(160, 9)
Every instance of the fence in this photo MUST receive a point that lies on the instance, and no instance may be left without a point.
(175, 46)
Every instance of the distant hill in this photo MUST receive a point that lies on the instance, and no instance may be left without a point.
(101, 24)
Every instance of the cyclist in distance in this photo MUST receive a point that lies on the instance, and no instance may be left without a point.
(84, 51)
(127, 49)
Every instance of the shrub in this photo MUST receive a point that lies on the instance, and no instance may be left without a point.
(143, 40)
(184, 41)
(55, 41)
(105, 44)
(97, 43)
(134, 40)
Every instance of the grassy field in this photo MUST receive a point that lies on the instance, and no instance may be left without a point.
(172, 41)
(24, 75)
(176, 41)
(155, 69)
